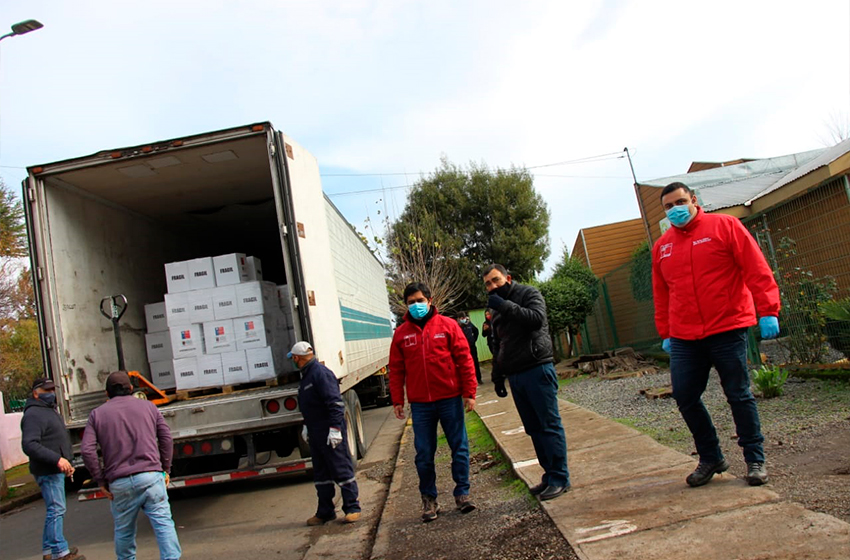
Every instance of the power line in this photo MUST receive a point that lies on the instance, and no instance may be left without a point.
(589, 159)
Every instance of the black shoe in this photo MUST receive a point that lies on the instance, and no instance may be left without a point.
(756, 474)
(704, 471)
(536, 490)
(552, 492)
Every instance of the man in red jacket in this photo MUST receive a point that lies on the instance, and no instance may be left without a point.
(430, 356)
(709, 277)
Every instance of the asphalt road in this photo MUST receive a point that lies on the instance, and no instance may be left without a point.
(244, 520)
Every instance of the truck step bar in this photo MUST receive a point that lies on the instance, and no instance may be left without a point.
(300, 465)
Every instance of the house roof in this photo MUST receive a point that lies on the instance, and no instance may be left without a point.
(723, 187)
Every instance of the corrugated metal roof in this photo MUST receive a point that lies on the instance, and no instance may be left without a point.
(723, 187)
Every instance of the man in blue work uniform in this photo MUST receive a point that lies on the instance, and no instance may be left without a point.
(324, 423)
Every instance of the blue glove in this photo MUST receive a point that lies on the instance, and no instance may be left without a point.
(666, 345)
(495, 301)
(769, 327)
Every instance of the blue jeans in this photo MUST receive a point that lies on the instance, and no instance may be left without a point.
(535, 393)
(449, 413)
(145, 491)
(690, 363)
(53, 493)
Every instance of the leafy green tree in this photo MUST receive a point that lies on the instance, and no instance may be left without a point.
(570, 295)
(20, 353)
(477, 216)
(13, 236)
(640, 272)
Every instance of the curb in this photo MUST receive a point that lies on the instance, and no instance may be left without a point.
(16, 503)
(381, 542)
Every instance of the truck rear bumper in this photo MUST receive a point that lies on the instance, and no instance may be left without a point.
(299, 465)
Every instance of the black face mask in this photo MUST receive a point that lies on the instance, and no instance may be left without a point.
(48, 398)
(503, 290)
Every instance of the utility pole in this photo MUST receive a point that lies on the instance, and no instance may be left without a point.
(643, 215)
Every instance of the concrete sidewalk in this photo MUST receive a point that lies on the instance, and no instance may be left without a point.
(629, 498)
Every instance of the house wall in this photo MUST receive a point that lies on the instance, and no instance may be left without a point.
(609, 246)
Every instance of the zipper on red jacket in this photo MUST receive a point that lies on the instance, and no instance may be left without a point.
(424, 357)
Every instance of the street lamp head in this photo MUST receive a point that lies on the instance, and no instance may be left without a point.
(26, 26)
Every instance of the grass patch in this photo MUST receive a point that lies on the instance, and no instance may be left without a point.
(569, 381)
(671, 437)
(480, 441)
(17, 472)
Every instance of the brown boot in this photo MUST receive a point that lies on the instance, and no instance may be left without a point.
(73, 554)
(430, 508)
(351, 517)
(316, 520)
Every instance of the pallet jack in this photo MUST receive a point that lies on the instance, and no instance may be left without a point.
(113, 308)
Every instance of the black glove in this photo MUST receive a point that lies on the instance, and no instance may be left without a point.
(495, 301)
(500, 387)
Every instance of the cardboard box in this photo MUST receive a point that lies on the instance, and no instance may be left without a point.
(162, 374)
(186, 373)
(225, 305)
(252, 332)
(177, 310)
(155, 317)
(158, 346)
(187, 341)
(209, 371)
(283, 297)
(249, 299)
(201, 306)
(230, 269)
(260, 363)
(177, 277)
(219, 336)
(201, 273)
(235, 367)
(254, 268)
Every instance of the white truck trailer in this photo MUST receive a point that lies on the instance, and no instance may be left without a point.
(107, 223)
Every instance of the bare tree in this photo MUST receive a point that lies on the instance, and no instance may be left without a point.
(416, 258)
(836, 129)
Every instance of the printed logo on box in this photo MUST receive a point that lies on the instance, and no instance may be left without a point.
(249, 299)
(226, 269)
(225, 303)
(178, 277)
(249, 325)
(259, 365)
(185, 335)
(199, 273)
(234, 369)
(157, 346)
(158, 316)
(219, 331)
(189, 373)
(210, 371)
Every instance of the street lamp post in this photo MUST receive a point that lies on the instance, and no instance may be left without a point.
(23, 28)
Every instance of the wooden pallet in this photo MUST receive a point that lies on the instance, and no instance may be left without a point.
(189, 394)
(663, 392)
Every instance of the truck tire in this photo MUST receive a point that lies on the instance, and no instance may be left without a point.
(354, 419)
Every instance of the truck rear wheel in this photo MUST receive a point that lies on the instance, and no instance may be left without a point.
(354, 419)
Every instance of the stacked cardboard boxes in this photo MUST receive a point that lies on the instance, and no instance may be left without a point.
(220, 324)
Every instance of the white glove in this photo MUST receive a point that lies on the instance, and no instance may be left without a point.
(304, 434)
(334, 437)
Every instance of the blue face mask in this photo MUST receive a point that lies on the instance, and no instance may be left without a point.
(48, 398)
(418, 310)
(679, 215)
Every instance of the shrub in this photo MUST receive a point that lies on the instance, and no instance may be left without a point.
(770, 380)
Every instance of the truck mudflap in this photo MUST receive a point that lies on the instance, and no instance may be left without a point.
(301, 465)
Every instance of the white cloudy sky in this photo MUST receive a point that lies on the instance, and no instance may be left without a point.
(375, 87)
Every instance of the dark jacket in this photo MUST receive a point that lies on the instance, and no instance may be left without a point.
(44, 438)
(520, 332)
(470, 331)
(133, 439)
(320, 400)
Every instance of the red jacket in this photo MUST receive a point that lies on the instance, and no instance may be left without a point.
(705, 277)
(434, 363)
